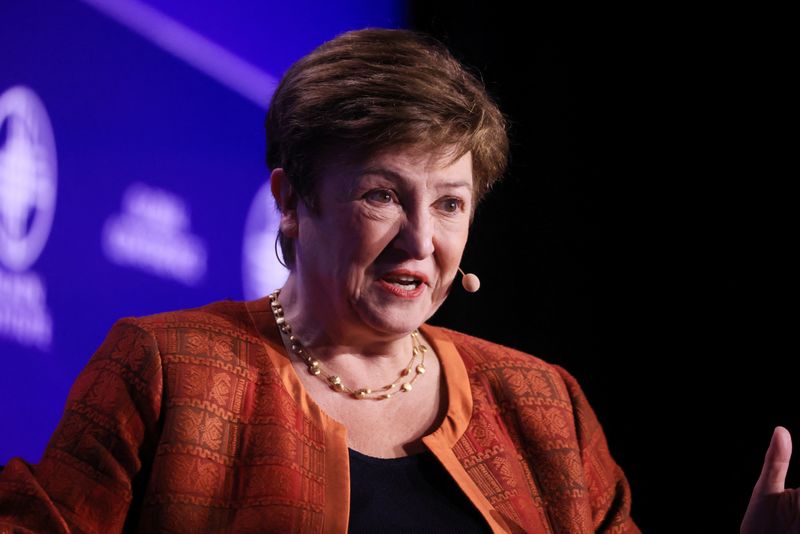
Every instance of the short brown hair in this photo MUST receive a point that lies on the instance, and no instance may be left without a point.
(370, 90)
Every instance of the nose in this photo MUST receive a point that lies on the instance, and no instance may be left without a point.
(415, 235)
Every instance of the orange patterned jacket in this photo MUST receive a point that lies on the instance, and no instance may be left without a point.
(195, 421)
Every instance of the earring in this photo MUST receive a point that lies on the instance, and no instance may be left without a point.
(278, 256)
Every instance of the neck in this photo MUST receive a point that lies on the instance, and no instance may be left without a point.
(330, 338)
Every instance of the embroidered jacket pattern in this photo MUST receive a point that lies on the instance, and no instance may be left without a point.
(195, 421)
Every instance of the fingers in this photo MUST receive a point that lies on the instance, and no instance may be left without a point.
(776, 463)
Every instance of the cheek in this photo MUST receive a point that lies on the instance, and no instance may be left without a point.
(369, 236)
(451, 245)
(449, 251)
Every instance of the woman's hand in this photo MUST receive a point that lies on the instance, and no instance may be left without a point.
(774, 509)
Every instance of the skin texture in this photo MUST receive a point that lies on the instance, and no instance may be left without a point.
(773, 508)
(399, 210)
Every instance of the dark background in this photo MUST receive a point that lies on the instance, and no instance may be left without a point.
(645, 234)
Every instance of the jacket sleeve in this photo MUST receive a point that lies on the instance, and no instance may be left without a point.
(83, 482)
(609, 490)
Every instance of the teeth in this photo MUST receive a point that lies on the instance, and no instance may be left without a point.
(404, 281)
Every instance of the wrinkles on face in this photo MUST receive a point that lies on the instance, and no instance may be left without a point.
(397, 212)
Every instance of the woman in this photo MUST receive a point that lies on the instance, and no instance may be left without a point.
(331, 404)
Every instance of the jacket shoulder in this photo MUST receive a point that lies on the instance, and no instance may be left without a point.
(508, 372)
(223, 332)
(228, 316)
(483, 354)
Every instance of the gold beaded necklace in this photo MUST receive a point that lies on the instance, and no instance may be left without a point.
(335, 381)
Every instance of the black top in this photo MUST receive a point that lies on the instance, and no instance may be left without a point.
(408, 494)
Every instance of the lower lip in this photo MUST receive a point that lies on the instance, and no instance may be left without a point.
(398, 291)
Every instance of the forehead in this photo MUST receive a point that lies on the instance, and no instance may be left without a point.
(405, 164)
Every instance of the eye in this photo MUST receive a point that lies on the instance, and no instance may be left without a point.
(451, 204)
(380, 196)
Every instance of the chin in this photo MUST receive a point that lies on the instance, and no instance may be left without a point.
(398, 319)
(391, 315)
(393, 322)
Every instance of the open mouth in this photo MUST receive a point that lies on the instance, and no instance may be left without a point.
(408, 283)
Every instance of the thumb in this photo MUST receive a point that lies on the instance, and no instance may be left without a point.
(776, 463)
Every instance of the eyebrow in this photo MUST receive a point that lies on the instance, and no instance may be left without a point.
(388, 173)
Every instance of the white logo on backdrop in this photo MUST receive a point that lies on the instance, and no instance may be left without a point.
(28, 182)
(24, 316)
(27, 178)
(152, 233)
(261, 272)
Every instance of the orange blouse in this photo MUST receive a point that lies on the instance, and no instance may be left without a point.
(195, 421)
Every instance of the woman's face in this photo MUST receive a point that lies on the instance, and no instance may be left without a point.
(380, 253)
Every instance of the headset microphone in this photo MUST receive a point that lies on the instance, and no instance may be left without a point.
(470, 282)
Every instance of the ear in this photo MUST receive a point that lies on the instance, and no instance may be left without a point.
(286, 200)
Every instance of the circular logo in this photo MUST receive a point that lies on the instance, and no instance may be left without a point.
(27, 178)
(261, 271)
